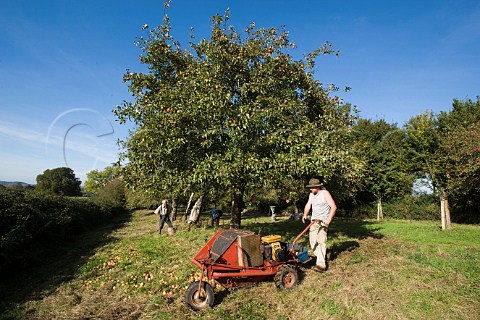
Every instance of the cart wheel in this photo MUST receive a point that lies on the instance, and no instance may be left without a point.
(199, 299)
(286, 278)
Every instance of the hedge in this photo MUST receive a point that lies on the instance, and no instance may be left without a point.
(29, 219)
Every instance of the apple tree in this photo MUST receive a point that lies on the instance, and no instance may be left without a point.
(231, 112)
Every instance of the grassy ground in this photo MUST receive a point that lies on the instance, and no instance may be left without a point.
(388, 270)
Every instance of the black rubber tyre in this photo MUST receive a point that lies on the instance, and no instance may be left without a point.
(286, 278)
(199, 299)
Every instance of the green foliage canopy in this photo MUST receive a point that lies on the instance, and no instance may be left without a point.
(459, 132)
(446, 146)
(59, 181)
(423, 143)
(382, 148)
(98, 179)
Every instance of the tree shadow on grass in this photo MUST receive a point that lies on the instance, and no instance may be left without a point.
(357, 229)
(337, 248)
(54, 265)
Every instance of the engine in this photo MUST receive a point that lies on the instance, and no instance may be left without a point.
(274, 249)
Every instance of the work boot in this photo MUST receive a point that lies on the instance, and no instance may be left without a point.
(318, 268)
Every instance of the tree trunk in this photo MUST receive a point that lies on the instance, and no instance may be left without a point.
(379, 209)
(447, 214)
(174, 209)
(445, 211)
(188, 205)
(296, 211)
(237, 206)
(195, 213)
(442, 214)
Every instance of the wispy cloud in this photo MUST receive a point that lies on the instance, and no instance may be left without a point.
(20, 133)
(74, 146)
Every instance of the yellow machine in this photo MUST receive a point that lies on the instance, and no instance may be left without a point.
(273, 249)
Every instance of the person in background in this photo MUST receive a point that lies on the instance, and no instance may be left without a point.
(163, 212)
(216, 214)
(323, 209)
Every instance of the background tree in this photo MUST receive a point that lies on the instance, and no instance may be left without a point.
(97, 179)
(446, 147)
(423, 138)
(381, 147)
(459, 132)
(231, 112)
(112, 193)
(60, 181)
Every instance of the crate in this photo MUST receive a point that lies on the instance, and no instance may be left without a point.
(302, 256)
(249, 254)
(300, 252)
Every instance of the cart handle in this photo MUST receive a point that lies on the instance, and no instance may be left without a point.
(300, 235)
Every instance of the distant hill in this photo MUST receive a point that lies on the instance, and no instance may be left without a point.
(15, 184)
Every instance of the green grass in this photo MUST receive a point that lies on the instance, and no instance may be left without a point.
(452, 251)
(429, 232)
(388, 270)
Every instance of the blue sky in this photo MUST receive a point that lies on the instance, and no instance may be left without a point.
(62, 62)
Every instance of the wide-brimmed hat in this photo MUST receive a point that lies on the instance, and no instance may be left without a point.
(314, 183)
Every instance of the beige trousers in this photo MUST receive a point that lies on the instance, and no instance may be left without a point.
(318, 242)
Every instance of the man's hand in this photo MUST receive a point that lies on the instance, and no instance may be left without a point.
(303, 218)
(327, 222)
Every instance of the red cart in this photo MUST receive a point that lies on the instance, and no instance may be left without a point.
(236, 258)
